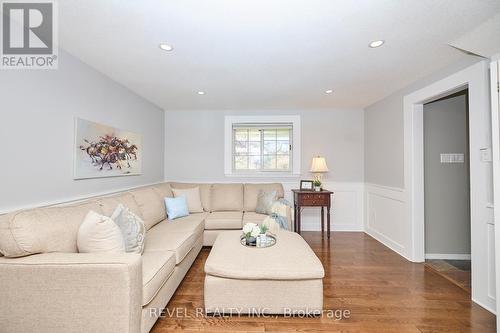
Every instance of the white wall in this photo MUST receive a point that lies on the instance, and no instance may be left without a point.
(384, 135)
(194, 142)
(37, 111)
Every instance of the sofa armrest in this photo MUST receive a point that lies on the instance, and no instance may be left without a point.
(71, 292)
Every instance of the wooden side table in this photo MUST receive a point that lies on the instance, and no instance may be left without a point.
(305, 198)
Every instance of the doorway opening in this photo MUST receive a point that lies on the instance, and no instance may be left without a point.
(447, 188)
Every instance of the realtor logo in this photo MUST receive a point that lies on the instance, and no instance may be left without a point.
(29, 35)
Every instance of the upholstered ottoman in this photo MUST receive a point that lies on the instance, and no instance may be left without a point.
(286, 278)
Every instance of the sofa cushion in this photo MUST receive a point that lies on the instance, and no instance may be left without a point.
(194, 223)
(223, 220)
(252, 217)
(178, 236)
(43, 230)
(205, 192)
(109, 204)
(192, 196)
(251, 192)
(157, 266)
(163, 190)
(227, 197)
(151, 206)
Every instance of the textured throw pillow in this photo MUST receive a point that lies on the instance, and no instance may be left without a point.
(98, 233)
(265, 200)
(176, 207)
(193, 198)
(132, 228)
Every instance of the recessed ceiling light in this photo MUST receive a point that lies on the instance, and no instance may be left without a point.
(329, 91)
(376, 43)
(201, 93)
(166, 47)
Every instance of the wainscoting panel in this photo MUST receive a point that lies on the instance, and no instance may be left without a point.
(385, 217)
(347, 207)
(491, 261)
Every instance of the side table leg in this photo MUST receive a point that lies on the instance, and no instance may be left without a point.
(295, 218)
(298, 220)
(322, 221)
(328, 221)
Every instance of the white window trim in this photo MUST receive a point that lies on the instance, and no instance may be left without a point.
(228, 144)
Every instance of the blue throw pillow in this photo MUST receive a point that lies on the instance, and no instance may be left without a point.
(176, 207)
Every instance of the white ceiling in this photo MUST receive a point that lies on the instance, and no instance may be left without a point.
(484, 40)
(253, 54)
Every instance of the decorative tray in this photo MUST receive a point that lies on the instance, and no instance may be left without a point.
(269, 241)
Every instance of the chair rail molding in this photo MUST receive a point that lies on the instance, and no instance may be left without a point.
(73, 199)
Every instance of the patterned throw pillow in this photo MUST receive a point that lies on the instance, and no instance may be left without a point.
(279, 218)
(265, 201)
(132, 228)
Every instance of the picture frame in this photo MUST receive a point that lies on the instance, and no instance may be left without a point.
(105, 151)
(306, 185)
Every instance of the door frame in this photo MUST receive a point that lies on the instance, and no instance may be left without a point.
(495, 147)
(476, 79)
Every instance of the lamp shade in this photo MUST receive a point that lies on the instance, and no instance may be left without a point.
(319, 164)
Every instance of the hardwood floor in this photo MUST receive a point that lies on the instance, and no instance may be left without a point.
(383, 292)
(456, 271)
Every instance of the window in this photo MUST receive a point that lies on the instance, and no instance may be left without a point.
(262, 148)
(262, 145)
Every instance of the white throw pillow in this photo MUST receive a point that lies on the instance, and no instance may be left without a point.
(193, 198)
(132, 228)
(98, 233)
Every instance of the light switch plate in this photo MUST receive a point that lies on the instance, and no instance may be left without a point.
(452, 158)
(486, 155)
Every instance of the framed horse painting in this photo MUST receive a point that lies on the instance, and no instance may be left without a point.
(105, 151)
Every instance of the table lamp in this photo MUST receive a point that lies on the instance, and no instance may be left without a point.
(318, 167)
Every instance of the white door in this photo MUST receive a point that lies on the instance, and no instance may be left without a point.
(495, 136)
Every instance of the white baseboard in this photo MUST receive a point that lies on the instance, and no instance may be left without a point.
(490, 309)
(396, 247)
(448, 256)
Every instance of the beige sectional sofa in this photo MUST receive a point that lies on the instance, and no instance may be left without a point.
(47, 286)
